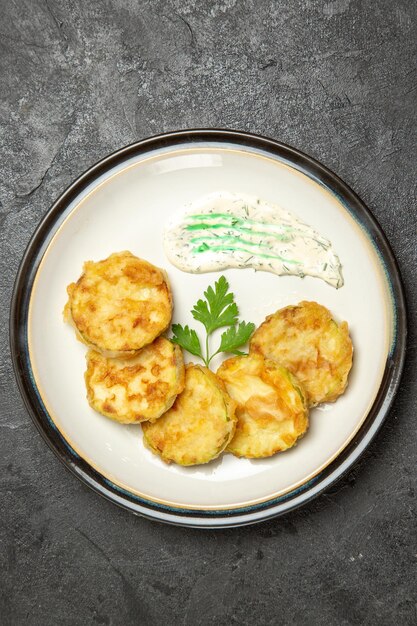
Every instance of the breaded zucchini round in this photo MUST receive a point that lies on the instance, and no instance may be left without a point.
(119, 305)
(200, 424)
(137, 389)
(306, 339)
(271, 406)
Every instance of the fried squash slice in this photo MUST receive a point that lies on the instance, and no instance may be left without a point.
(133, 390)
(119, 305)
(306, 340)
(271, 406)
(199, 425)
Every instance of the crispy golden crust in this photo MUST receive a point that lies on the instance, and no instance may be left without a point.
(200, 424)
(137, 389)
(119, 305)
(271, 407)
(305, 339)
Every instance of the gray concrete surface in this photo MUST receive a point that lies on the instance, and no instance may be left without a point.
(79, 79)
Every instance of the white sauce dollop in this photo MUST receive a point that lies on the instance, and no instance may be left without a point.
(223, 230)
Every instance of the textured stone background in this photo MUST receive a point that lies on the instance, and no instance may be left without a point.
(79, 79)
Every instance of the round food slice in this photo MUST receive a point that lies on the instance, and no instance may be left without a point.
(271, 406)
(119, 305)
(137, 389)
(200, 424)
(307, 340)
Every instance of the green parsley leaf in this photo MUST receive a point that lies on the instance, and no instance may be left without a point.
(235, 337)
(219, 309)
(187, 339)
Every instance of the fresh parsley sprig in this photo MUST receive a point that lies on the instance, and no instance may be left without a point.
(218, 310)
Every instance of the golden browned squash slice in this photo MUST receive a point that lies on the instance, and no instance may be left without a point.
(137, 389)
(306, 339)
(200, 424)
(271, 407)
(119, 305)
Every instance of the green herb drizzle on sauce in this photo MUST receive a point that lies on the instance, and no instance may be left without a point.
(249, 233)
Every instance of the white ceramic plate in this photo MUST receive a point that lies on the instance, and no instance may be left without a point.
(122, 203)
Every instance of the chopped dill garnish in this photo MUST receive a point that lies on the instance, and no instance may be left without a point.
(321, 244)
